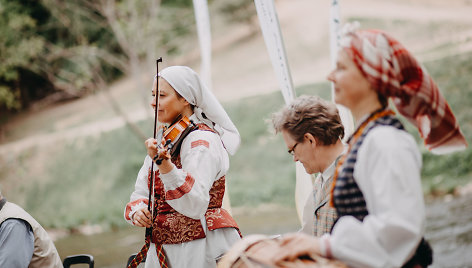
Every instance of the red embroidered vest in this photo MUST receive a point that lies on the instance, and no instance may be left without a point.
(172, 227)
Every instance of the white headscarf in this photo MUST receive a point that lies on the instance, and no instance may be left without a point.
(207, 108)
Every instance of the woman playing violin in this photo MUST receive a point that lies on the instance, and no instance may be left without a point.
(186, 218)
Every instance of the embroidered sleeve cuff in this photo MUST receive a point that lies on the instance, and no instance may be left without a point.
(173, 184)
(134, 206)
(182, 189)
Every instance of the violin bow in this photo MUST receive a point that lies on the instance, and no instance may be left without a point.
(151, 184)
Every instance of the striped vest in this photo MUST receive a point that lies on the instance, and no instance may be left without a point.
(347, 196)
(349, 200)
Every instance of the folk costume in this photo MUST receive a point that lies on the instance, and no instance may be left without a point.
(15, 226)
(377, 190)
(189, 222)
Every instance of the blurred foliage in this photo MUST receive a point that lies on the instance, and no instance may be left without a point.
(20, 45)
(69, 48)
(178, 3)
(239, 11)
(55, 50)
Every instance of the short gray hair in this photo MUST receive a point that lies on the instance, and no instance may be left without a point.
(310, 114)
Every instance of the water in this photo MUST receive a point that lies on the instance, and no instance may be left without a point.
(448, 229)
(112, 249)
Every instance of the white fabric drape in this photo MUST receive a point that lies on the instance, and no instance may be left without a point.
(275, 46)
(202, 19)
(335, 36)
(207, 108)
(272, 34)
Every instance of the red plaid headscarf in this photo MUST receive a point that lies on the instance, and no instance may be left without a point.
(393, 71)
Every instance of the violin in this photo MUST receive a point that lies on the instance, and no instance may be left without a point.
(171, 138)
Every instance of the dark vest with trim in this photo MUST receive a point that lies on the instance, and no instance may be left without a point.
(347, 196)
(349, 200)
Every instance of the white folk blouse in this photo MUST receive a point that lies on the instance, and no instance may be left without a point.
(204, 157)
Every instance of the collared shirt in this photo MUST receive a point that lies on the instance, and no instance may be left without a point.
(329, 171)
(318, 217)
(16, 242)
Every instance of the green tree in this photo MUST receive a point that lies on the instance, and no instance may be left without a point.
(19, 47)
(73, 47)
(241, 11)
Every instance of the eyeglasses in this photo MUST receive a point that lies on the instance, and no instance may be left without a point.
(291, 151)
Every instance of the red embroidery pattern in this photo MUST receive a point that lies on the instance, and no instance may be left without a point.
(172, 227)
(182, 189)
(217, 192)
(200, 143)
(217, 218)
(175, 228)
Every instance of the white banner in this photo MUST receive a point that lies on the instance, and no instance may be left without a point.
(334, 31)
(275, 46)
(202, 18)
(335, 36)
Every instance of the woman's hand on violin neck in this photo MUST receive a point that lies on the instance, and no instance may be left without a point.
(151, 147)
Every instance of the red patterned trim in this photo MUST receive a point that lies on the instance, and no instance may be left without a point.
(175, 228)
(182, 189)
(130, 205)
(200, 143)
(171, 227)
(217, 218)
